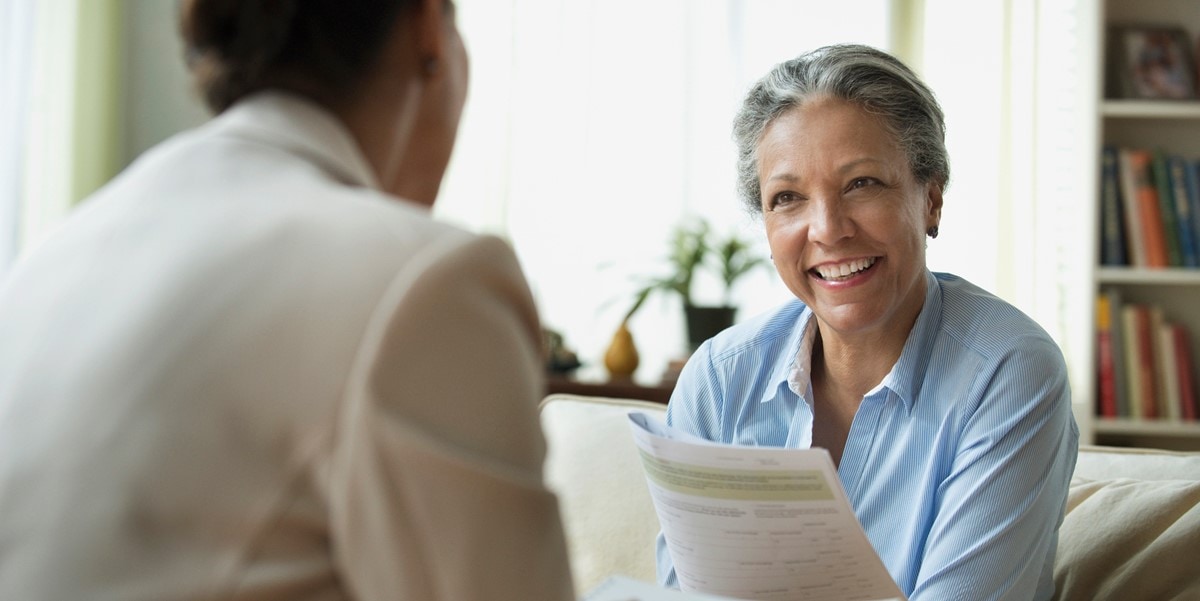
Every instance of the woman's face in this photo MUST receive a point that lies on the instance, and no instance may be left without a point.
(845, 219)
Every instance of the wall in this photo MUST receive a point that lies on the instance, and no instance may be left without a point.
(158, 99)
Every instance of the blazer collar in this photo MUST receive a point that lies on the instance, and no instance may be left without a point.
(302, 127)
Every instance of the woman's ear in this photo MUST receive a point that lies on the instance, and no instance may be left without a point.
(933, 199)
(431, 32)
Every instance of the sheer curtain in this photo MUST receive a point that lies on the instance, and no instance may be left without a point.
(594, 126)
(59, 133)
(16, 42)
(1019, 89)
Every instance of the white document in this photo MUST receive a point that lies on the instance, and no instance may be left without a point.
(623, 588)
(757, 523)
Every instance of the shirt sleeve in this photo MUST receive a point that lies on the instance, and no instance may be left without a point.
(997, 514)
(436, 486)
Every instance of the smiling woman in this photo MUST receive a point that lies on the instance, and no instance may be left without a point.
(846, 221)
(947, 411)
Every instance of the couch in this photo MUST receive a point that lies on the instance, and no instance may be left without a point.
(1131, 532)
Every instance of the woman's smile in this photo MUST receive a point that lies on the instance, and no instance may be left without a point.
(843, 271)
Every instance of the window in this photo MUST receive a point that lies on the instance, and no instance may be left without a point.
(593, 126)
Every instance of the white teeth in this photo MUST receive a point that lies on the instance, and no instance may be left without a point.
(844, 270)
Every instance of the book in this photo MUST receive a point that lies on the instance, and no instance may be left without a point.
(1168, 370)
(1106, 399)
(1146, 199)
(1193, 188)
(1146, 362)
(1182, 204)
(1139, 362)
(1112, 226)
(729, 516)
(1160, 178)
(1120, 375)
(1188, 409)
(1131, 210)
(1129, 357)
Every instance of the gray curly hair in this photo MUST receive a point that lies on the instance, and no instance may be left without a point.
(871, 78)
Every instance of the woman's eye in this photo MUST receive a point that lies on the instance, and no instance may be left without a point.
(784, 198)
(863, 182)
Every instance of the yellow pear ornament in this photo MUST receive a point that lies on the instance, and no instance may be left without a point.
(621, 358)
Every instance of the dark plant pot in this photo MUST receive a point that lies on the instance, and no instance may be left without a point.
(705, 322)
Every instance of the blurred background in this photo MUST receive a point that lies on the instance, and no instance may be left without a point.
(594, 127)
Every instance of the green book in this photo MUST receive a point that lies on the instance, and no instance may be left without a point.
(1166, 201)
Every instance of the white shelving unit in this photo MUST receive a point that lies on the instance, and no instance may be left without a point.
(1175, 127)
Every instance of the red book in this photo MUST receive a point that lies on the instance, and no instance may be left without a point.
(1106, 384)
(1131, 408)
(1187, 388)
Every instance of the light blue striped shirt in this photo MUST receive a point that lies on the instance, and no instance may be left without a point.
(957, 464)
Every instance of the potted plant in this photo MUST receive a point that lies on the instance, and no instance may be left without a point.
(694, 247)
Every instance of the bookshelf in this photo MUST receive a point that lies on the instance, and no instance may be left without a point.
(1172, 126)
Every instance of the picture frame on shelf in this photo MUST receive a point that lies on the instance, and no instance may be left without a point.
(1151, 62)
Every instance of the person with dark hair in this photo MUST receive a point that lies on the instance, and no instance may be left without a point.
(946, 410)
(253, 366)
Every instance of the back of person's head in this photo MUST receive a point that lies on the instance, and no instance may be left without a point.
(237, 47)
(870, 78)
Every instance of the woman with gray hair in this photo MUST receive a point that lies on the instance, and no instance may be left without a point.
(946, 410)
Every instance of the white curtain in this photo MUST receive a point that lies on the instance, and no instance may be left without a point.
(59, 131)
(16, 25)
(1019, 88)
(593, 127)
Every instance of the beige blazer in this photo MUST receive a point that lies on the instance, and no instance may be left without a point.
(241, 372)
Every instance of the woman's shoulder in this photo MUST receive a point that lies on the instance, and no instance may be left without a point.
(760, 333)
(985, 322)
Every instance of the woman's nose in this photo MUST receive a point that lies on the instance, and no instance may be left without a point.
(829, 222)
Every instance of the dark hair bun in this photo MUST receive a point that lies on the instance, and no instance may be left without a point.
(231, 44)
(237, 47)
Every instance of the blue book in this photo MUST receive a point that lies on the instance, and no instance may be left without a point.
(1177, 168)
(1193, 186)
(1112, 226)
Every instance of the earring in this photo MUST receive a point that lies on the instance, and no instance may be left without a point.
(429, 66)
(932, 232)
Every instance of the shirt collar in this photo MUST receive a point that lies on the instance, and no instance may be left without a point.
(794, 373)
(302, 127)
(906, 376)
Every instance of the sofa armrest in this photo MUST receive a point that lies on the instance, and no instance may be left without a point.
(593, 465)
(1104, 463)
(1132, 526)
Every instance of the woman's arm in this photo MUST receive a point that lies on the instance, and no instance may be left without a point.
(997, 513)
(436, 485)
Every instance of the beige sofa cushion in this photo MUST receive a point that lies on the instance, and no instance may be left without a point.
(1132, 529)
(593, 465)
